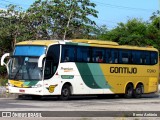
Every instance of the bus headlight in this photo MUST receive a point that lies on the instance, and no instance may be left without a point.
(37, 86)
(9, 84)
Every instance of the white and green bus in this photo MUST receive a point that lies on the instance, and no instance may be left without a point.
(81, 67)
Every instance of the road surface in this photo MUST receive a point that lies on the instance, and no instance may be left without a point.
(88, 107)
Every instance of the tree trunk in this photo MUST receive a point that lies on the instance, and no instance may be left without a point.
(14, 41)
(69, 20)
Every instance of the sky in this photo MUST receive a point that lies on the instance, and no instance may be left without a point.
(111, 12)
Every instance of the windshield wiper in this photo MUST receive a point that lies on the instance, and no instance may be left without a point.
(17, 72)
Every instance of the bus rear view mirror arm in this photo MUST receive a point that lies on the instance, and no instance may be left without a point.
(3, 57)
(40, 60)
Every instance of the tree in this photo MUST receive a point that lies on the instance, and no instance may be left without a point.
(38, 20)
(45, 19)
(61, 19)
(135, 32)
(100, 32)
(155, 19)
(77, 14)
(131, 33)
(11, 25)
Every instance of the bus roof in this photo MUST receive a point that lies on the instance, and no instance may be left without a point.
(110, 44)
(38, 42)
(85, 42)
(49, 42)
(98, 42)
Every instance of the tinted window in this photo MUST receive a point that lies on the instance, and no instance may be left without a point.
(114, 56)
(147, 57)
(52, 60)
(106, 55)
(84, 54)
(68, 53)
(154, 58)
(98, 55)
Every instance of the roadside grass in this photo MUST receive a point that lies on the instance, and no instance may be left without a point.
(3, 81)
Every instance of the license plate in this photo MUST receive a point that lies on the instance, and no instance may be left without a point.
(22, 91)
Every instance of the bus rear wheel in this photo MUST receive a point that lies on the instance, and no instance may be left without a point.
(65, 93)
(129, 91)
(138, 91)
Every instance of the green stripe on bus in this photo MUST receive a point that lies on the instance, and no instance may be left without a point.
(98, 75)
(92, 75)
(30, 83)
(86, 75)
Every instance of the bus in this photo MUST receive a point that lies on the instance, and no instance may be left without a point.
(65, 68)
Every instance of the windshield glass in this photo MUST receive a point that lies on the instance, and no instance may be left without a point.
(24, 62)
(24, 68)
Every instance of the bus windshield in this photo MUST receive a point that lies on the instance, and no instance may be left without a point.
(24, 63)
(24, 68)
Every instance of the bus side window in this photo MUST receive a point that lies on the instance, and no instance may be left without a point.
(142, 58)
(108, 56)
(154, 58)
(124, 56)
(52, 60)
(147, 58)
(68, 54)
(133, 58)
(138, 59)
(83, 54)
(114, 56)
(49, 68)
(98, 55)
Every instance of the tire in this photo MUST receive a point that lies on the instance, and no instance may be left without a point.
(129, 91)
(65, 93)
(138, 91)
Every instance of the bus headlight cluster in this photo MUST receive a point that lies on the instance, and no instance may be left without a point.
(37, 86)
(9, 84)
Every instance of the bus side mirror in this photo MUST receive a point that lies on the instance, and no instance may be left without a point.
(3, 57)
(40, 60)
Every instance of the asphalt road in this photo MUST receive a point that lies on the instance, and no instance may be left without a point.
(84, 107)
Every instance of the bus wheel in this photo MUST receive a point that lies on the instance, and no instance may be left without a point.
(65, 93)
(129, 91)
(138, 91)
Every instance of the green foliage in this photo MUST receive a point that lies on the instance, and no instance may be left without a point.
(2, 71)
(12, 25)
(45, 19)
(60, 19)
(135, 32)
(3, 81)
(131, 33)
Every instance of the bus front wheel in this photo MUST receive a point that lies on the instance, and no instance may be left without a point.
(129, 91)
(65, 93)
